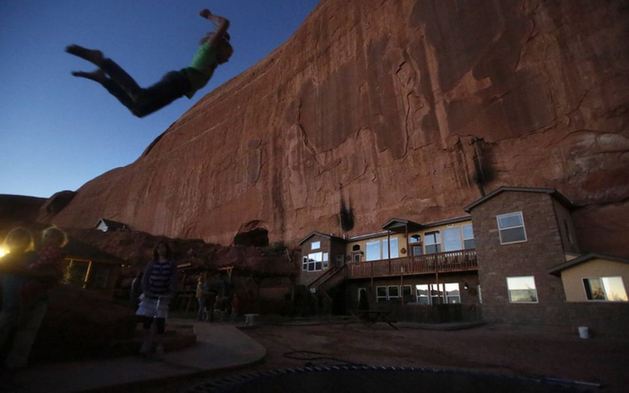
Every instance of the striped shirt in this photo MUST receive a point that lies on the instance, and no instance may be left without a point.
(159, 278)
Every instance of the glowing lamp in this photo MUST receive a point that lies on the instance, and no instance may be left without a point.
(3, 251)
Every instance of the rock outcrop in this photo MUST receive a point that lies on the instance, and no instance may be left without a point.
(400, 108)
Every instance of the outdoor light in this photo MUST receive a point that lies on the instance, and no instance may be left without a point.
(466, 286)
(3, 251)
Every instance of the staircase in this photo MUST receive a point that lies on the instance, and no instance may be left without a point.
(327, 281)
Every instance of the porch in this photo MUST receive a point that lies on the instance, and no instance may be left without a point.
(443, 262)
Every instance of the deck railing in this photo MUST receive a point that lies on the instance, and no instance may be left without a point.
(443, 262)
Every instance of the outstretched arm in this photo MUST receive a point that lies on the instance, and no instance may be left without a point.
(222, 24)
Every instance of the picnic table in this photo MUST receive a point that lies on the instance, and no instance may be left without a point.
(372, 316)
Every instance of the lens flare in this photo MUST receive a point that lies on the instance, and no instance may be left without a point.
(3, 251)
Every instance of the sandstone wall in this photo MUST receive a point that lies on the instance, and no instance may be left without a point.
(402, 108)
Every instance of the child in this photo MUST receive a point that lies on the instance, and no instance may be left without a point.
(214, 50)
(19, 242)
(40, 276)
(159, 284)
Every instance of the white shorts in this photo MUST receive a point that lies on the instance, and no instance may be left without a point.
(153, 307)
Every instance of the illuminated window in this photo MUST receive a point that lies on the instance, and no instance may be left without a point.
(315, 261)
(421, 292)
(606, 289)
(511, 228)
(315, 245)
(522, 289)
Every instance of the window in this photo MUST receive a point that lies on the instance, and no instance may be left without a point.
(522, 289)
(439, 293)
(416, 250)
(453, 295)
(407, 294)
(413, 239)
(421, 292)
(315, 245)
(356, 257)
(610, 289)
(436, 295)
(378, 249)
(432, 242)
(511, 228)
(390, 292)
(468, 237)
(393, 246)
(373, 250)
(452, 239)
(381, 293)
(315, 261)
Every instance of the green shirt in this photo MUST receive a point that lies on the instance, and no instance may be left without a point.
(201, 68)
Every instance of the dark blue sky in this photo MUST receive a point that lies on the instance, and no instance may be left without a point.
(56, 131)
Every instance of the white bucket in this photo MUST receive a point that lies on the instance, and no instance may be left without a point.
(584, 332)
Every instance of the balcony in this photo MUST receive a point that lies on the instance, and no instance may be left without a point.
(443, 262)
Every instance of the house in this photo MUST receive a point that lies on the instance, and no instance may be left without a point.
(515, 256)
(405, 263)
(90, 268)
(106, 225)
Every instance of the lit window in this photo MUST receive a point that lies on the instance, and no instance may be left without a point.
(315, 245)
(522, 289)
(453, 295)
(511, 228)
(393, 246)
(609, 289)
(421, 292)
(314, 261)
(325, 260)
(436, 294)
(432, 242)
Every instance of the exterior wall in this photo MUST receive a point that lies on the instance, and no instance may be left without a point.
(572, 277)
(402, 242)
(566, 228)
(333, 246)
(363, 245)
(541, 251)
(467, 296)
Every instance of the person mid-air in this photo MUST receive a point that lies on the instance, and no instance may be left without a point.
(215, 49)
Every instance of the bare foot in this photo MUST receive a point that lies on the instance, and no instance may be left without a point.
(91, 55)
(98, 75)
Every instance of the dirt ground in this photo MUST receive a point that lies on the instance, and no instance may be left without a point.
(490, 348)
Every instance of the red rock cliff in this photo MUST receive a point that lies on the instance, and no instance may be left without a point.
(402, 108)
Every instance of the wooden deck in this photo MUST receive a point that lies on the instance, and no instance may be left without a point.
(443, 262)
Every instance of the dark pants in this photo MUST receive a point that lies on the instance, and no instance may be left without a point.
(140, 101)
(160, 324)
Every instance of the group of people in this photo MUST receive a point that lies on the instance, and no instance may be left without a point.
(217, 295)
(28, 271)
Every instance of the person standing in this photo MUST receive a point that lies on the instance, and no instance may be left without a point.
(159, 285)
(202, 293)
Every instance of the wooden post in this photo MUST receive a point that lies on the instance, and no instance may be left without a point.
(88, 273)
(389, 249)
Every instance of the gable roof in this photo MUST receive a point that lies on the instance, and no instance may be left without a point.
(556, 270)
(395, 223)
(112, 224)
(317, 233)
(550, 191)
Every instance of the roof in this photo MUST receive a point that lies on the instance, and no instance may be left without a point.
(584, 258)
(398, 223)
(111, 223)
(79, 250)
(317, 233)
(550, 191)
